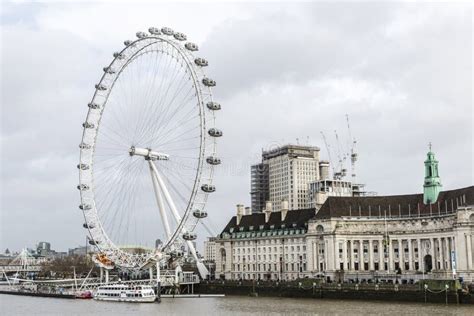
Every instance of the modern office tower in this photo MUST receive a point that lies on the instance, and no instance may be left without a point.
(290, 169)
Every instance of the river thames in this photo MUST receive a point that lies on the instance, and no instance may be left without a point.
(231, 305)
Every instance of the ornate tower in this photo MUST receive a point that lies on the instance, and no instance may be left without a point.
(432, 184)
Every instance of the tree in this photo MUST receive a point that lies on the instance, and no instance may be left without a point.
(64, 267)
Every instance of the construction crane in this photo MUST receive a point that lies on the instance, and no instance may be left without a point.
(342, 172)
(329, 152)
(353, 143)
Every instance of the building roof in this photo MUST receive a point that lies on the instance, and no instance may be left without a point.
(395, 205)
(292, 150)
(296, 219)
(369, 206)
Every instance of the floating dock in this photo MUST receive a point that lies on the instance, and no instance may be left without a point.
(38, 294)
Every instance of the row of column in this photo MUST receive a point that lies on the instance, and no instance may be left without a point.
(439, 248)
(469, 262)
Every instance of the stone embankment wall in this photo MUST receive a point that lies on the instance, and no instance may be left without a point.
(449, 292)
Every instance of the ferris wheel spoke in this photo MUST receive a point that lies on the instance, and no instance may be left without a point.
(159, 105)
(112, 136)
(180, 135)
(110, 184)
(150, 94)
(175, 71)
(119, 202)
(167, 104)
(126, 203)
(176, 175)
(164, 130)
(161, 129)
(165, 119)
(183, 122)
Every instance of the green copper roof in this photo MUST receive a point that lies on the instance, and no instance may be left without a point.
(432, 184)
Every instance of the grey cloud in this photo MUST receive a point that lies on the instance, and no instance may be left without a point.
(403, 73)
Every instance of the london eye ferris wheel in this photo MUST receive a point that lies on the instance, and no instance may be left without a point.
(148, 150)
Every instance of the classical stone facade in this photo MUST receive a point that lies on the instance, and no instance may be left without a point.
(354, 238)
(394, 237)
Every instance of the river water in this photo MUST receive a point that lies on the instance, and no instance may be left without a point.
(231, 305)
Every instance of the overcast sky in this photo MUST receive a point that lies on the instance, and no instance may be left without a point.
(403, 73)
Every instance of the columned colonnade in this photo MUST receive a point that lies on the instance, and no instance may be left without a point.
(407, 253)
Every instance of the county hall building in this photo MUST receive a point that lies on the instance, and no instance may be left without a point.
(355, 238)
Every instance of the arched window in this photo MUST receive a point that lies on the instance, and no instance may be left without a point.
(319, 228)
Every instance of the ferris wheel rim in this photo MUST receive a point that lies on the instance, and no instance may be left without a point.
(110, 246)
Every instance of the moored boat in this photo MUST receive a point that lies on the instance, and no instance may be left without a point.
(125, 293)
(84, 295)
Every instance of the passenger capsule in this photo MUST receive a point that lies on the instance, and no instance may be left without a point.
(214, 106)
(209, 188)
(93, 106)
(119, 55)
(87, 226)
(100, 87)
(83, 166)
(83, 187)
(85, 207)
(191, 46)
(209, 82)
(189, 236)
(201, 62)
(154, 31)
(88, 125)
(141, 34)
(180, 36)
(84, 146)
(214, 132)
(167, 31)
(109, 70)
(127, 42)
(213, 160)
(93, 242)
(199, 214)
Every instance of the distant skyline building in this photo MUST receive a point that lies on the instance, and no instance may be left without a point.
(290, 169)
(78, 251)
(296, 174)
(43, 248)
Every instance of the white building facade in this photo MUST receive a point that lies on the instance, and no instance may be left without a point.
(263, 246)
(210, 249)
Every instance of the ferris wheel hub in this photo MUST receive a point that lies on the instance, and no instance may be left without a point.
(147, 153)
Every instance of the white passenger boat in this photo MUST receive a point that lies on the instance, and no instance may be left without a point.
(125, 293)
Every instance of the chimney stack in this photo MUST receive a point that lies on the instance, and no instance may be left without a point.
(240, 213)
(248, 211)
(324, 170)
(284, 209)
(268, 211)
